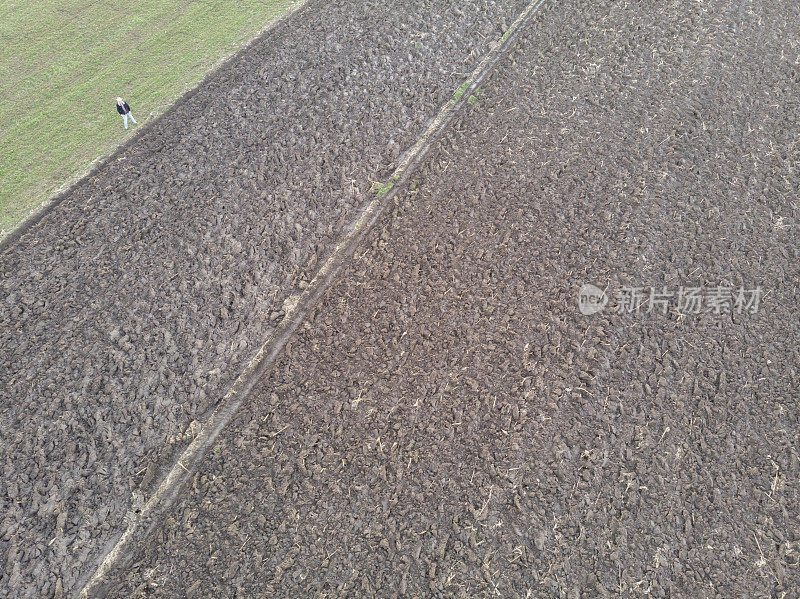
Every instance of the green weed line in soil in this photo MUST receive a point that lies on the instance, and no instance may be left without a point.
(381, 189)
(384, 189)
(461, 90)
(65, 62)
(473, 99)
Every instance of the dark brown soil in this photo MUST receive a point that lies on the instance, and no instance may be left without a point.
(450, 425)
(126, 313)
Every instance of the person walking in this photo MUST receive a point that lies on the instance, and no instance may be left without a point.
(125, 111)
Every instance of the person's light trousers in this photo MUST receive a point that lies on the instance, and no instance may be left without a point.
(125, 119)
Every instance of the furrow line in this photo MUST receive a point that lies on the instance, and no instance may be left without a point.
(151, 515)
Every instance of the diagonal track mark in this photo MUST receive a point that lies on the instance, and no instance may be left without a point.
(140, 527)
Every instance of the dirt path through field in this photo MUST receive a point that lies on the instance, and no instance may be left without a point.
(126, 313)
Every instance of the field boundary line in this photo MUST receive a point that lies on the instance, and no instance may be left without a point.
(153, 511)
(96, 165)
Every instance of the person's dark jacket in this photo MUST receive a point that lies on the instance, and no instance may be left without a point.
(123, 108)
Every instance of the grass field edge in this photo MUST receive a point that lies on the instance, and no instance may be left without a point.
(96, 166)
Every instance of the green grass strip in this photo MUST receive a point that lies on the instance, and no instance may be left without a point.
(65, 61)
